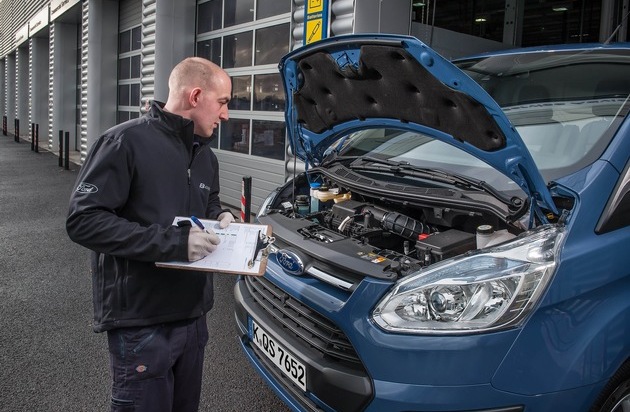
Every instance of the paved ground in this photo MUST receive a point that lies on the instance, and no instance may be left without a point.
(50, 360)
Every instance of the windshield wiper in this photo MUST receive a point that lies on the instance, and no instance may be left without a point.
(334, 158)
(368, 163)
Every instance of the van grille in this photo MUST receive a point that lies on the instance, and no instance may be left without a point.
(309, 326)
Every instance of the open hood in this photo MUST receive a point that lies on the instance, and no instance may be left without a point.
(348, 83)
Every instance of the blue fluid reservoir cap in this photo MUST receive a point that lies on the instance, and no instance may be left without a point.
(315, 185)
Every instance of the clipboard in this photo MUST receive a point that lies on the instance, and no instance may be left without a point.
(243, 249)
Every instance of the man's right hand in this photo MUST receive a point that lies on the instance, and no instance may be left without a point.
(201, 243)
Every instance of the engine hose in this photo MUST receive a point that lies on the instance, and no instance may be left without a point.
(398, 223)
(404, 226)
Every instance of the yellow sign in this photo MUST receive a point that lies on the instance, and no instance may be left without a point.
(313, 30)
(314, 6)
(315, 20)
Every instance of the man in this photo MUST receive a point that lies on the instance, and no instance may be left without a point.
(136, 178)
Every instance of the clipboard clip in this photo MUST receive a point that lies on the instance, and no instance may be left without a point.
(262, 244)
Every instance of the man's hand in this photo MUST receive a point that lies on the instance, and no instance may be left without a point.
(201, 243)
(225, 219)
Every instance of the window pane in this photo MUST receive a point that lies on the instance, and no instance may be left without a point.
(135, 67)
(123, 95)
(477, 18)
(268, 8)
(135, 95)
(134, 115)
(272, 43)
(123, 68)
(123, 116)
(238, 11)
(237, 50)
(269, 139)
(268, 92)
(136, 39)
(551, 23)
(210, 49)
(241, 93)
(124, 41)
(235, 135)
(209, 16)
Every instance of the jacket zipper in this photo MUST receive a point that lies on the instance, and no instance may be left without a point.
(189, 172)
(192, 159)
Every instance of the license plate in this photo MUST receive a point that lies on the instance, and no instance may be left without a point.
(276, 353)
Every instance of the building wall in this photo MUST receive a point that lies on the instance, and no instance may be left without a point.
(13, 15)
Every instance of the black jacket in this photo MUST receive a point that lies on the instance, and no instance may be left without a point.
(136, 178)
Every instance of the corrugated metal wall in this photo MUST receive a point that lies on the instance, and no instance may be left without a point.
(3, 87)
(147, 83)
(30, 81)
(13, 15)
(84, 78)
(51, 75)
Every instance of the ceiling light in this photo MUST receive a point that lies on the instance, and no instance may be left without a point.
(560, 8)
(480, 19)
(418, 4)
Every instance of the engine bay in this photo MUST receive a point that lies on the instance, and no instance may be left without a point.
(347, 228)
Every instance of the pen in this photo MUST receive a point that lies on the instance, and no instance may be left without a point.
(198, 223)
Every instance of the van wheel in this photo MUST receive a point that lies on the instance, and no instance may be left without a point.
(616, 395)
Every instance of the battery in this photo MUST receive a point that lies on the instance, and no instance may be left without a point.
(443, 245)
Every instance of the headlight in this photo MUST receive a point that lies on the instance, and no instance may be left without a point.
(480, 292)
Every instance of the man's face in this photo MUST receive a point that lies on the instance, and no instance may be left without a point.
(212, 108)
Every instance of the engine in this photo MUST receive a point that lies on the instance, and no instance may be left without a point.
(401, 237)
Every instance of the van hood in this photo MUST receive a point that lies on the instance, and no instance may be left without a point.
(348, 83)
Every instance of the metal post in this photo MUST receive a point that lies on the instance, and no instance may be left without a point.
(32, 136)
(4, 125)
(16, 137)
(36, 137)
(60, 148)
(246, 199)
(66, 144)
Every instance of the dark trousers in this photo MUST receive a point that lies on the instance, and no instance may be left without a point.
(158, 368)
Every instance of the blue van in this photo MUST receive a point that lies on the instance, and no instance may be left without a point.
(460, 237)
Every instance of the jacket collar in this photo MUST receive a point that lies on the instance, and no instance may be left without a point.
(182, 127)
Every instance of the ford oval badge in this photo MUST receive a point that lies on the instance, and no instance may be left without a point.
(290, 262)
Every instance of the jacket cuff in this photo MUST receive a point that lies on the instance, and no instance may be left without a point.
(182, 248)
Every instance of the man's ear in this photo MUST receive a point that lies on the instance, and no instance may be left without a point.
(194, 96)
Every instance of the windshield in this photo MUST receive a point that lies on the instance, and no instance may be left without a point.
(422, 151)
(565, 105)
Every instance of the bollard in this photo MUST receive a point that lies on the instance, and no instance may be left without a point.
(16, 136)
(246, 199)
(66, 145)
(32, 137)
(60, 148)
(36, 137)
(4, 125)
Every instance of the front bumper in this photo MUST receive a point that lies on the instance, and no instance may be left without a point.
(382, 377)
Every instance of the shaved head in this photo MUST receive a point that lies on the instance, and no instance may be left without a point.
(192, 72)
(199, 90)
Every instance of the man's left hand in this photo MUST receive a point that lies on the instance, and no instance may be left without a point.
(225, 218)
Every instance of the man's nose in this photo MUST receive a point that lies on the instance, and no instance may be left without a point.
(224, 115)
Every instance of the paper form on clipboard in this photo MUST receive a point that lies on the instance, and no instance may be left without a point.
(242, 249)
